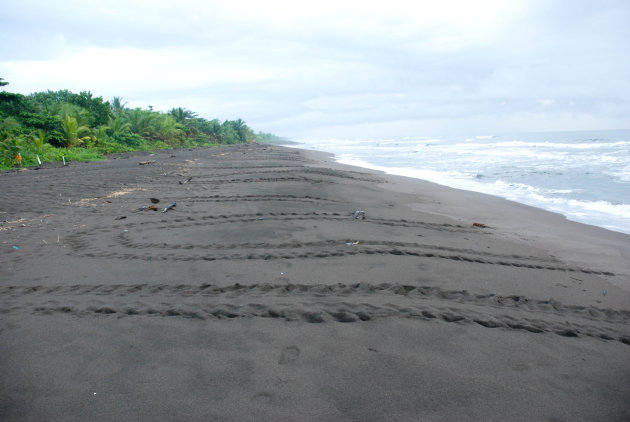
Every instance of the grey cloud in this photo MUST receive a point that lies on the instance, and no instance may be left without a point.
(552, 58)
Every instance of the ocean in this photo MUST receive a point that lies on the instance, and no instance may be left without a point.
(583, 175)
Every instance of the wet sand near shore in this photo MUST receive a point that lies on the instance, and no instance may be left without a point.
(263, 295)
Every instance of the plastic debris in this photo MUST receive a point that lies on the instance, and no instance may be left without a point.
(64, 160)
(185, 181)
(169, 206)
(15, 247)
(122, 217)
(260, 218)
(358, 215)
(148, 208)
(39, 162)
(480, 225)
(144, 163)
(154, 200)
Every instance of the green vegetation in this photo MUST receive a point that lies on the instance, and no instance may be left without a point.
(81, 127)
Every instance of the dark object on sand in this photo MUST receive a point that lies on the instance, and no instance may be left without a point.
(144, 163)
(169, 206)
(154, 200)
(358, 215)
(480, 225)
(148, 208)
(185, 181)
(122, 217)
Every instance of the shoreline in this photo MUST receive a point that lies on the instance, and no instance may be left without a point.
(588, 243)
(260, 297)
(538, 206)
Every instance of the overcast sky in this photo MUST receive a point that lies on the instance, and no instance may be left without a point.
(336, 69)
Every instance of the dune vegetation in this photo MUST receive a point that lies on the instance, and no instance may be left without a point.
(55, 124)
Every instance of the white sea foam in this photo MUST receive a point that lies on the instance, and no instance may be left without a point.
(585, 177)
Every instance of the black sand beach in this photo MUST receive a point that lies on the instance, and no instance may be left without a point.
(259, 296)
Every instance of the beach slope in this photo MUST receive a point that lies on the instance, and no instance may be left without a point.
(283, 286)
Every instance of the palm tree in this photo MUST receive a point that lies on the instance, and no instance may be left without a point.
(182, 114)
(99, 134)
(116, 125)
(38, 139)
(169, 129)
(141, 121)
(243, 131)
(117, 105)
(73, 133)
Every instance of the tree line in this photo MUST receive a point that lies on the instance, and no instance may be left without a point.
(53, 124)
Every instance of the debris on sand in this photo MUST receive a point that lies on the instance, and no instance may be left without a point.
(169, 206)
(148, 208)
(480, 225)
(358, 215)
(144, 163)
(154, 200)
(185, 181)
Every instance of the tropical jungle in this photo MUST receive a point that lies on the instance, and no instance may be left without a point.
(62, 125)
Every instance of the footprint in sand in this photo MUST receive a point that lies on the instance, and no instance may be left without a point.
(289, 355)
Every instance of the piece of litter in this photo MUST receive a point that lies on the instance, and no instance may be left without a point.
(122, 217)
(260, 218)
(480, 225)
(358, 215)
(169, 206)
(15, 247)
(185, 181)
(144, 163)
(148, 207)
(154, 200)
(38, 160)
